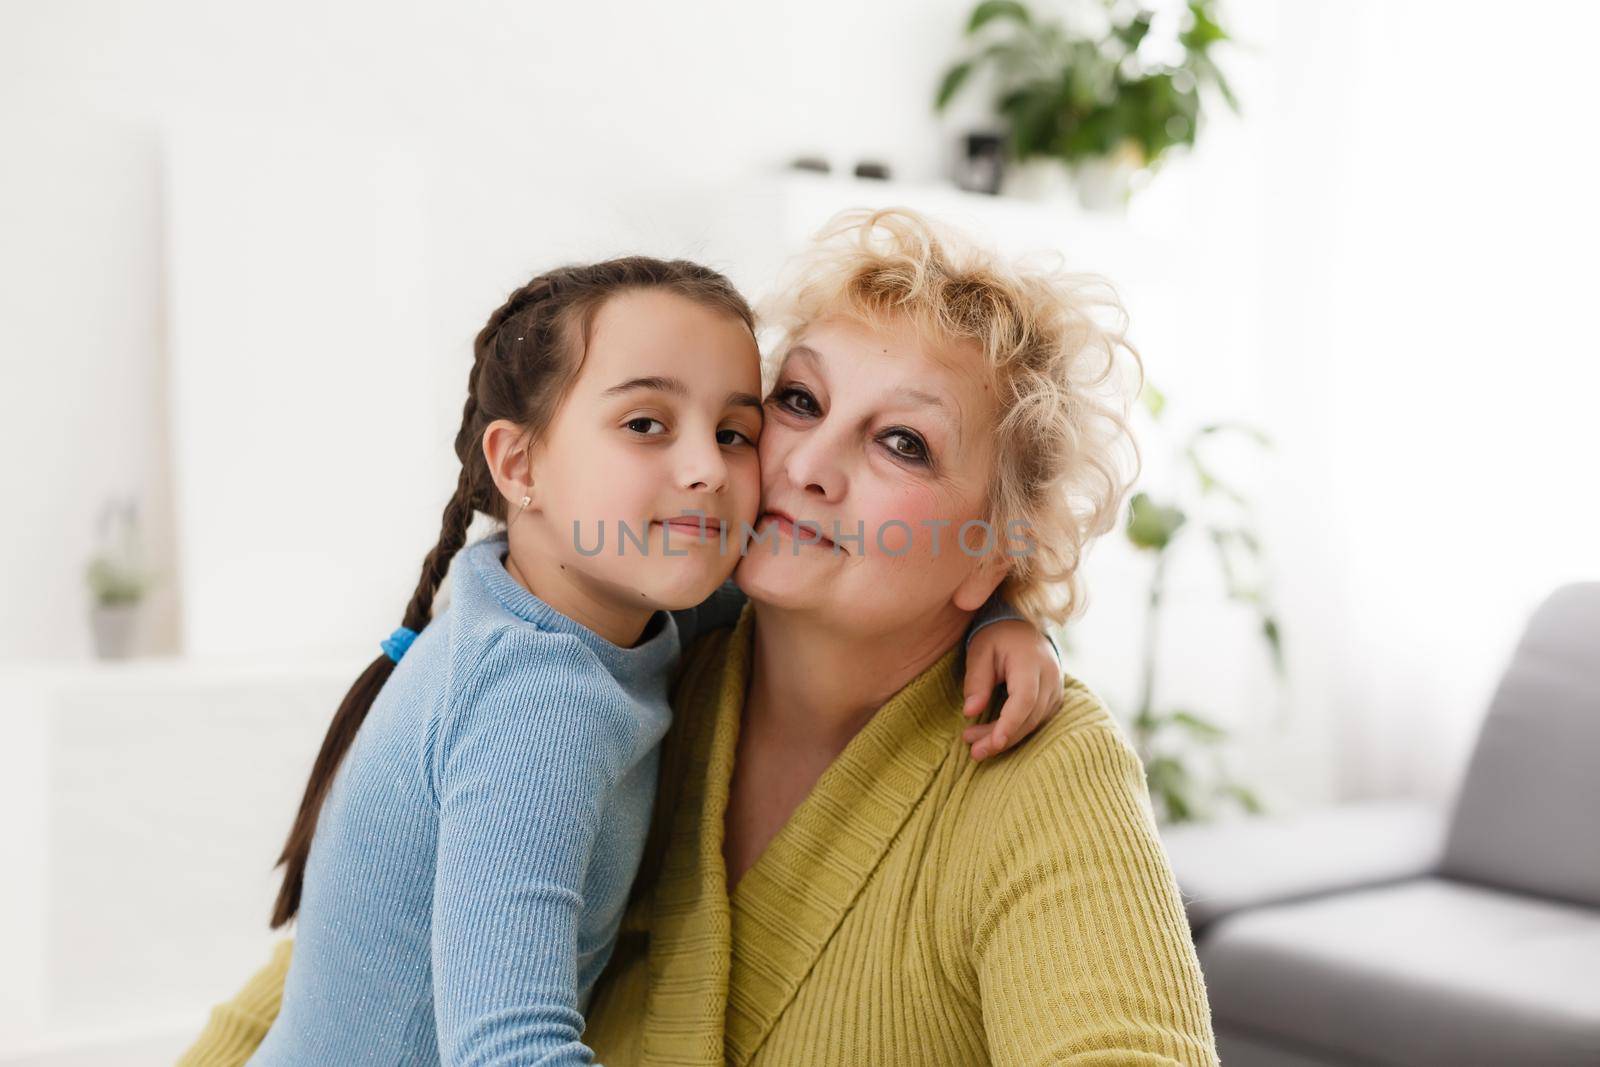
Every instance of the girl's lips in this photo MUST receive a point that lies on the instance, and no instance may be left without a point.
(694, 524)
(813, 531)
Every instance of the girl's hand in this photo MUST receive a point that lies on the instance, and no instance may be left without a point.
(1014, 653)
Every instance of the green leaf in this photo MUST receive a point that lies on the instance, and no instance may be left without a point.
(1168, 770)
(1134, 32)
(1237, 535)
(1210, 483)
(1008, 56)
(954, 78)
(1206, 70)
(1225, 89)
(1269, 630)
(116, 582)
(1088, 76)
(1035, 114)
(1170, 783)
(1219, 540)
(1255, 433)
(1201, 729)
(1155, 401)
(1203, 30)
(990, 10)
(1246, 797)
(1150, 525)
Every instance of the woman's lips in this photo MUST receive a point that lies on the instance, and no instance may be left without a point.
(813, 530)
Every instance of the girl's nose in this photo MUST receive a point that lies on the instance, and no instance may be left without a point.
(703, 468)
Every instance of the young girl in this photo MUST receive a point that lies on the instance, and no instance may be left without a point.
(476, 815)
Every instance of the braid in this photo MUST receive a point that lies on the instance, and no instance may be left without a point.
(452, 535)
(544, 285)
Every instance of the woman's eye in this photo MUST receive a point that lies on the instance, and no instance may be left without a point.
(634, 425)
(796, 399)
(906, 445)
(736, 435)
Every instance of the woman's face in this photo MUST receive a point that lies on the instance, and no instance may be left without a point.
(885, 451)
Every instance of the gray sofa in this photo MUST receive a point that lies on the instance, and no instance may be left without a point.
(1389, 934)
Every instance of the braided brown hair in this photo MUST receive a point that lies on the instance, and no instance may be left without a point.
(524, 363)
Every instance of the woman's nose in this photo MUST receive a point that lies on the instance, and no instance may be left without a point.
(814, 465)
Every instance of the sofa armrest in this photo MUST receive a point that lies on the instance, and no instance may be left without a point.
(1225, 867)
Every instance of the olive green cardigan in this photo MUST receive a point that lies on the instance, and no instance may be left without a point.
(917, 907)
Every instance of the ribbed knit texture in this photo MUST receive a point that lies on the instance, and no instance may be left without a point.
(473, 858)
(917, 908)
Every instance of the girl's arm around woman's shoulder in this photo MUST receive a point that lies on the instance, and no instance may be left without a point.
(1078, 935)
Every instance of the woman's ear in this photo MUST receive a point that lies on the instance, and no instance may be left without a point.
(508, 451)
(976, 588)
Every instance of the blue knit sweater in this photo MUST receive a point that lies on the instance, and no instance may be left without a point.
(473, 857)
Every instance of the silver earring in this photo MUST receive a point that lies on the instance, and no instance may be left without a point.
(526, 500)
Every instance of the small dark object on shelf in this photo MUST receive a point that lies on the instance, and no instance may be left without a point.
(811, 163)
(869, 169)
(982, 163)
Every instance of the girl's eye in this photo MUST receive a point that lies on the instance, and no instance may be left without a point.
(792, 399)
(736, 434)
(633, 424)
(903, 444)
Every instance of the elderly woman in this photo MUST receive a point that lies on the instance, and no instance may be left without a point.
(829, 879)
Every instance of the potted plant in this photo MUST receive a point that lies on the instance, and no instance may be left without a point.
(117, 580)
(1180, 748)
(1106, 98)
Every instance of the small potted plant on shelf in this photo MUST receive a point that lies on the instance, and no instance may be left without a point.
(118, 582)
(1104, 98)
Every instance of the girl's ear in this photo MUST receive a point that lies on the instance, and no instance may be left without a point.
(509, 455)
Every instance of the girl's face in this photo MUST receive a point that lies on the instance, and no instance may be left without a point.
(662, 422)
(869, 434)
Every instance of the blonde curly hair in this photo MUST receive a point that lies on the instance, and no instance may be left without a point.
(1054, 344)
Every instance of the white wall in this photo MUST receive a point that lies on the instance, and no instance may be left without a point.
(356, 185)
(1385, 257)
(1436, 289)
(82, 362)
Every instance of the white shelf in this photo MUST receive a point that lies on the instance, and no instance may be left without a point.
(1092, 241)
(171, 782)
(157, 672)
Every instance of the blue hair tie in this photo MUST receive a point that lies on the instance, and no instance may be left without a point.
(395, 645)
